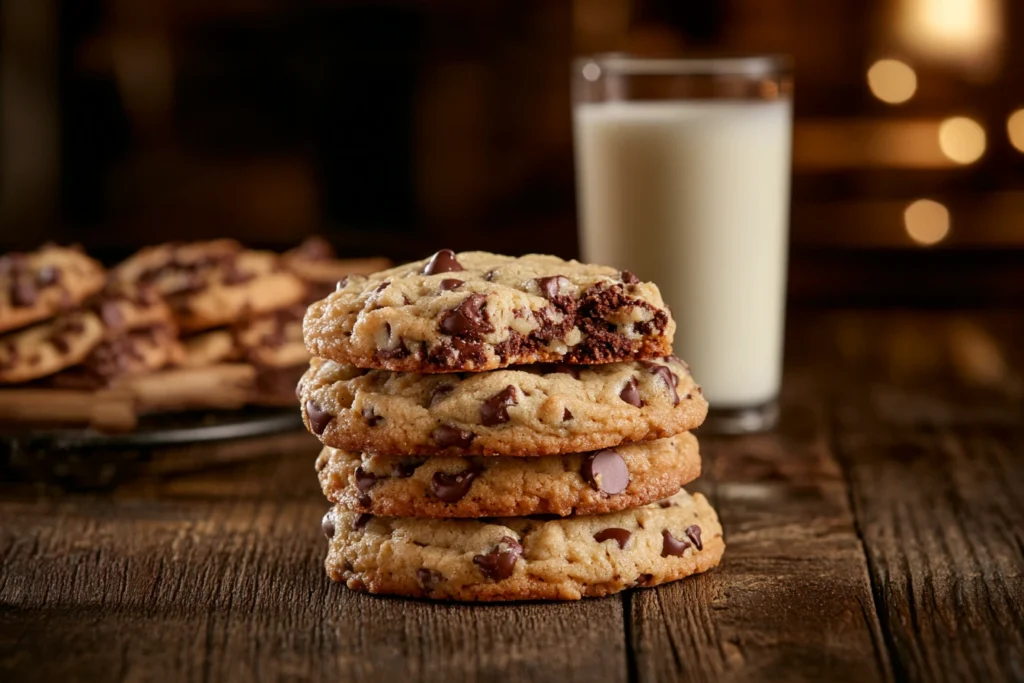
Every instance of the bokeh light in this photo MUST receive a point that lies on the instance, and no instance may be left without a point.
(926, 221)
(962, 139)
(1015, 129)
(892, 81)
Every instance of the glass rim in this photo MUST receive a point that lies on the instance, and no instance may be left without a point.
(624, 64)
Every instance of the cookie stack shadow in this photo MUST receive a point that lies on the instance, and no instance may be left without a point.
(501, 428)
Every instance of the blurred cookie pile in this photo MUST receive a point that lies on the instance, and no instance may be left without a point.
(175, 327)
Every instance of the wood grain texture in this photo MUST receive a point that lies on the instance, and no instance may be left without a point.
(220, 576)
(792, 600)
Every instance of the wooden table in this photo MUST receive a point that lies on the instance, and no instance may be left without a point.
(878, 534)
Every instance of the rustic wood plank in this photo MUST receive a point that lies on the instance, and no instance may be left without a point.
(934, 453)
(219, 576)
(792, 600)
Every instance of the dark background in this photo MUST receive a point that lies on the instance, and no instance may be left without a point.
(398, 127)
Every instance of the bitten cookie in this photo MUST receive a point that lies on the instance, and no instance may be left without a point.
(210, 284)
(48, 347)
(38, 285)
(628, 476)
(477, 311)
(522, 411)
(523, 558)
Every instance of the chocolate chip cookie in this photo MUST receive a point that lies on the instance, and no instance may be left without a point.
(211, 284)
(524, 558)
(476, 311)
(273, 340)
(523, 411)
(38, 285)
(612, 479)
(49, 347)
(126, 354)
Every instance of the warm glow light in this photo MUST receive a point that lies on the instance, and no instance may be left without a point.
(926, 222)
(591, 72)
(1015, 129)
(962, 139)
(892, 81)
(963, 31)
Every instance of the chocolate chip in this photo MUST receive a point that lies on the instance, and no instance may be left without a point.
(364, 500)
(404, 470)
(443, 261)
(234, 276)
(381, 287)
(447, 436)
(298, 390)
(467, 318)
(629, 278)
(499, 564)
(428, 579)
(664, 504)
(48, 275)
(60, 342)
(693, 533)
(606, 471)
(672, 545)
(644, 580)
(110, 312)
(371, 416)
(549, 285)
(451, 488)
(318, 418)
(665, 375)
(620, 536)
(440, 393)
(494, 411)
(566, 415)
(23, 293)
(450, 284)
(365, 480)
(489, 276)
(327, 524)
(630, 395)
(361, 520)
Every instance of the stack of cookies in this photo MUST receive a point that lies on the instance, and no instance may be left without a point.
(501, 428)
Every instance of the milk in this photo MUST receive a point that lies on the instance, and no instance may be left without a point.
(694, 196)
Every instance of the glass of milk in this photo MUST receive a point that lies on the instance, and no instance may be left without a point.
(683, 169)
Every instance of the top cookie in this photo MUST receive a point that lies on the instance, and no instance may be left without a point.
(209, 284)
(477, 311)
(40, 284)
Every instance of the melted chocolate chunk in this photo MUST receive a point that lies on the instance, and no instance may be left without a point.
(404, 470)
(499, 564)
(428, 579)
(630, 394)
(443, 261)
(318, 418)
(365, 480)
(327, 525)
(447, 436)
(693, 533)
(663, 504)
(606, 471)
(361, 520)
(629, 278)
(671, 545)
(665, 375)
(450, 284)
(566, 415)
(468, 318)
(380, 288)
(549, 285)
(620, 536)
(451, 488)
(644, 580)
(494, 411)
(371, 416)
(440, 393)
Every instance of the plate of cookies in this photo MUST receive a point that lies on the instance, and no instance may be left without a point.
(179, 343)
